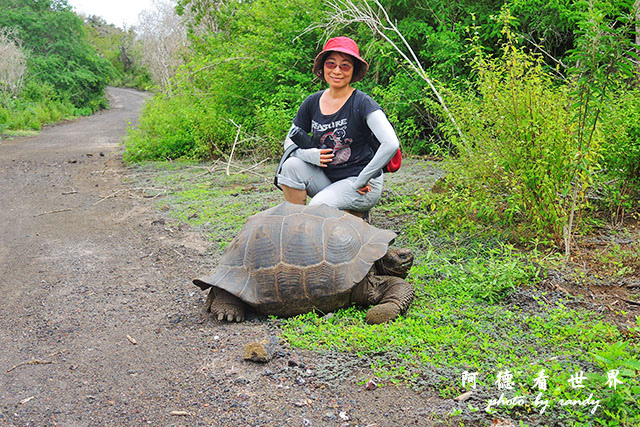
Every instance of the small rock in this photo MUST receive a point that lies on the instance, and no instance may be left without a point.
(329, 415)
(261, 352)
(328, 316)
(242, 381)
(293, 361)
(371, 385)
(464, 396)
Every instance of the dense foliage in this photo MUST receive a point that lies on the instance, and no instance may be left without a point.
(64, 75)
(250, 76)
(122, 49)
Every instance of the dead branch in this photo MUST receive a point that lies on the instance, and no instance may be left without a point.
(30, 362)
(209, 169)
(252, 167)
(242, 170)
(159, 192)
(109, 196)
(27, 400)
(52, 212)
(233, 148)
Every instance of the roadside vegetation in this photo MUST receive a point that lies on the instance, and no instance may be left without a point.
(54, 73)
(484, 304)
(56, 65)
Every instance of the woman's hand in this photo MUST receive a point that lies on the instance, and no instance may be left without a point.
(364, 190)
(326, 156)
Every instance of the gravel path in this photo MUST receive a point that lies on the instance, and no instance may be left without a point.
(99, 322)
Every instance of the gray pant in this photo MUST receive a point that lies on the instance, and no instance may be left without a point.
(300, 175)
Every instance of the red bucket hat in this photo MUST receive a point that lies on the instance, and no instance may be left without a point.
(342, 45)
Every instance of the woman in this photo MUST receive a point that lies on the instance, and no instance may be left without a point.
(338, 165)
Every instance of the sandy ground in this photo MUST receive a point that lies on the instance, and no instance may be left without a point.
(100, 325)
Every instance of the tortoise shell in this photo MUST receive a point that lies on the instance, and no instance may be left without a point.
(291, 259)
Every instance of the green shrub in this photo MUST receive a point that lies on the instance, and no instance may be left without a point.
(521, 155)
(165, 130)
(252, 76)
(621, 155)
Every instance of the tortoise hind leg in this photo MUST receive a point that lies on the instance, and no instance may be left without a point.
(225, 306)
(395, 296)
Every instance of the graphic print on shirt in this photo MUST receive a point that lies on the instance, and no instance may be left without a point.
(336, 140)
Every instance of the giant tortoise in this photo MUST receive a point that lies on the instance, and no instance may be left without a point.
(293, 259)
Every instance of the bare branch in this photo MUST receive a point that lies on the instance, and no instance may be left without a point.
(233, 148)
(13, 64)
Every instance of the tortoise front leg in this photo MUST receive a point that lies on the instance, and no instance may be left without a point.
(225, 306)
(394, 295)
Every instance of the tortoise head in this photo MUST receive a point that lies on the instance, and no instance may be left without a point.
(396, 262)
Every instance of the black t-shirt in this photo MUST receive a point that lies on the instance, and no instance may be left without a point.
(345, 131)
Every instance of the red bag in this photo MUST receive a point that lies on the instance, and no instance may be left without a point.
(396, 160)
(394, 163)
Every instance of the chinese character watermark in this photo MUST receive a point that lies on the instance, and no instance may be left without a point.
(612, 378)
(577, 379)
(540, 382)
(504, 380)
(469, 378)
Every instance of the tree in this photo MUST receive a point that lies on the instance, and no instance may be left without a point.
(59, 54)
(164, 39)
(13, 64)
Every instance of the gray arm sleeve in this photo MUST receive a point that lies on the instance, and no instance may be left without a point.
(309, 155)
(389, 144)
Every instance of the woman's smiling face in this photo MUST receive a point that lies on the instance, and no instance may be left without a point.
(338, 70)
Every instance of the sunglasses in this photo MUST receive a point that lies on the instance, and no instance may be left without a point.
(344, 67)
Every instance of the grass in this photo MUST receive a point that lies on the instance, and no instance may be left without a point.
(17, 133)
(206, 198)
(479, 307)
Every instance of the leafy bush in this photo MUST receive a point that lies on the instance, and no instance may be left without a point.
(165, 130)
(532, 148)
(252, 75)
(122, 49)
(59, 53)
(518, 162)
(621, 155)
(38, 105)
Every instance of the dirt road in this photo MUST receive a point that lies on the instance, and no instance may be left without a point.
(100, 325)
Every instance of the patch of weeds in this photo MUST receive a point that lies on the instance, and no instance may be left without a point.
(9, 134)
(204, 197)
(621, 260)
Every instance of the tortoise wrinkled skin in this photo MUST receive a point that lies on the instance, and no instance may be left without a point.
(292, 259)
